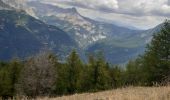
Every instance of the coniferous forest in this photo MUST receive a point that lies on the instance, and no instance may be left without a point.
(44, 75)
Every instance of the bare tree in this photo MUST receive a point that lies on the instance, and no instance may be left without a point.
(38, 76)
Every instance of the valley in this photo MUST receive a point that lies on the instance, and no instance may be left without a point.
(84, 50)
(118, 44)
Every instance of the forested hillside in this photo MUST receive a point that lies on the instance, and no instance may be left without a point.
(44, 75)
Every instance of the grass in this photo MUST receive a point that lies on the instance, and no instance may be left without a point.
(130, 93)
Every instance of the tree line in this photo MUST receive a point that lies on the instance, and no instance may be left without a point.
(44, 75)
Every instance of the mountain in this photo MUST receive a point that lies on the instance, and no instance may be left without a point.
(118, 44)
(4, 6)
(120, 51)
(21, 35)
(83, 30)
(17, 4)
(126, 25)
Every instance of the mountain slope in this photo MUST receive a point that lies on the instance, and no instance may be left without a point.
(121, 50)
(17, 4)
(118, 44)
(84, 30)
(4, 6)
(22, 35)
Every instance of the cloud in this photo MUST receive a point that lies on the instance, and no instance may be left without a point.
(140, 22)
(168, 2)
(94, 4)
(130, 7)
(145, 7)
(138, 12)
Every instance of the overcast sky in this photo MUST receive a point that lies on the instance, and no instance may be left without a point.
(140, 13)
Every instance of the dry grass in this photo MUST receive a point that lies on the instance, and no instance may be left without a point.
(130, 93)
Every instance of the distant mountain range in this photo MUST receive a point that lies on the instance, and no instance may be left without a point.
(23, 35)
(84, 30)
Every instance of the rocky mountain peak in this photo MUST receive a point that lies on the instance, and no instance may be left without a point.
(74, 10)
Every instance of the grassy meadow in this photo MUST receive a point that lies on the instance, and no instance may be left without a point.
(129, 93)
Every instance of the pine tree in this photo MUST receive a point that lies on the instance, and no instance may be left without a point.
(99, 76)
(5, 81)
(74, 72)
(87, 79)
(116, 77)
(15, 67)
(9, 74)
(157, 56)
(62, 82)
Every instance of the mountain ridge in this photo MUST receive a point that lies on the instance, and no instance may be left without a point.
(4, 6)
(22, 35)
(88, 36)
(80, 28)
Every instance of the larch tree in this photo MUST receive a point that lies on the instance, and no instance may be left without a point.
(38, 76)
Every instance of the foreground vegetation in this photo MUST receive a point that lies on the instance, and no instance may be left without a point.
(44, 75)
(130, 93)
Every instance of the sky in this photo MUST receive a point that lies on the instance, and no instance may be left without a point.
(143, 14)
